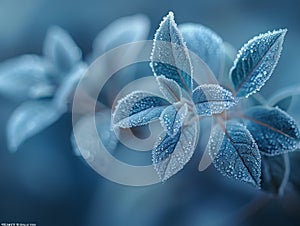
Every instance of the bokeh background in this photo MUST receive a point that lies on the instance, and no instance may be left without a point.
(45, 183)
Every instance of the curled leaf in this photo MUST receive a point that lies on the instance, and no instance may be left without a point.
(29, 119)
(234, 153)
(170, 55)
(212, 99)
(138, 108)
(256, 62)
(274, 130)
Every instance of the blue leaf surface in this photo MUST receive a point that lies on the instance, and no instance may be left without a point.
(60, 49)
(234, 153)
(169, 88)
(172, 118)
(274, 130)
(274, 171)
(170, 55)
(62, 97)
(256, 62)
(19, 76)
(29, 119)
(212, 99)
(86, 140)
(295, 170)
(138, 108)
(121, 31)
(170, 154)
(206, 44)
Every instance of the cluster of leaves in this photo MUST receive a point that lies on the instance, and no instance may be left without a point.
(245, 142)
(45, 84)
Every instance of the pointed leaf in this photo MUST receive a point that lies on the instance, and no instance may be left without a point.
(61, 49)
(284, 103)
(20, 74)
(274, 130)
(138, 108)
(170, 55)
(121, 31)
(212, 99)
(170, 154)
(256, 62)
(170, 89)
(234, 153)
(206, 44)
(172, 118)
(273, 173)
(29, 119)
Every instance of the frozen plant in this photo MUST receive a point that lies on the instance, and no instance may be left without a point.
(244, 137)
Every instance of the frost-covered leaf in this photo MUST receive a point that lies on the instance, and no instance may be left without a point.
(256, 62)
(284, 97)
(206, 44)
(234, 153)
(172, 118)
(170, 89)
(138, 108)
(124, 30)
(62, 95)
(103, 125)
(60, 48)
(274, 130)
(20, 74)
(170, 154)
(212, 99)
(273, 173)
(170, 56)
(29, 119)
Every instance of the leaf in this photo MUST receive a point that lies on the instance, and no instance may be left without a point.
(284, 103)
(172, 118)
(274, 130)
(170, 154)
(256, 62)
(62, 96)
(105, 133)
(121, 31)
(169, 88)
(206, 44)
(295, 169)
(273, 173)
(29, 119)
(138, 108)
(60, 49)
(234, 153)
(20, 74)
(170, 56)
(212, 99)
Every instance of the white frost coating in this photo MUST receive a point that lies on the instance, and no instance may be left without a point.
(212, 99)
(172, 118)
(181, 155)
(170, 48)
(169, 88)
(256, 61)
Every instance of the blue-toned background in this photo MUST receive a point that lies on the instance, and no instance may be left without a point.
(45, 183)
